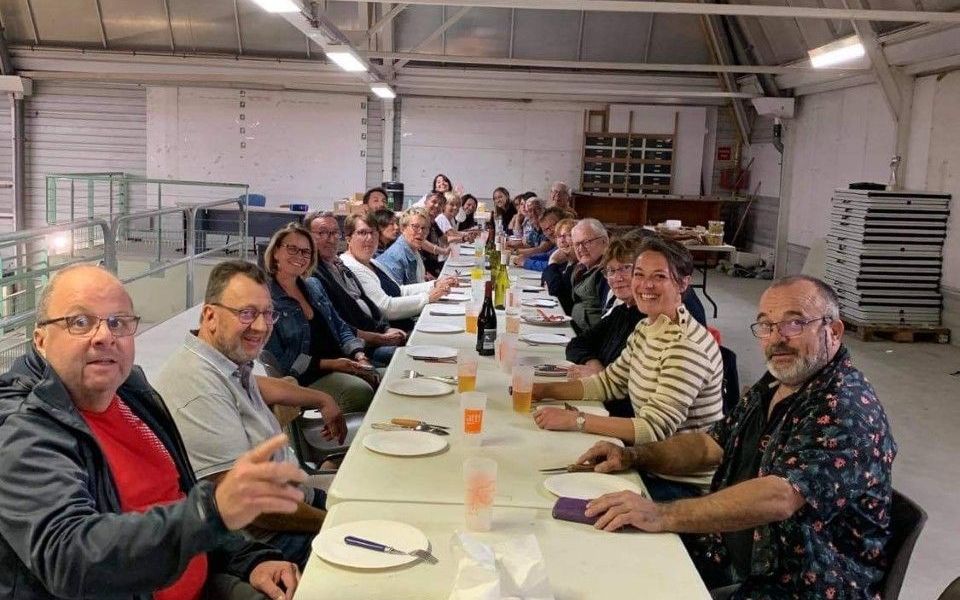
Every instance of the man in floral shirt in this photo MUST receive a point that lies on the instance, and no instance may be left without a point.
(800, 503)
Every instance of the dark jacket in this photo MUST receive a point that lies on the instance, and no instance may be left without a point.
(291, 336)
(346, 305)
(607, 339)
(589, 292)
(557, 278)
(62, 533)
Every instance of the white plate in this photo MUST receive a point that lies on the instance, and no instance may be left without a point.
(456, 297)
(540, 302)
(467, 246)
(431, 351)
(545, 338)
(587, 486)
(421, 388)
(459, 262)
(539, 320)
(536, 276)
(439, 328)
(404, 443)
(447, 311)
(329, 545)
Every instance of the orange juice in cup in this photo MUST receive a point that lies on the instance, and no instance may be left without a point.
(522, 389)
(466, 372)
(471, 312)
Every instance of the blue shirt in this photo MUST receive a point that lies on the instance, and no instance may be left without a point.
(538, 262)
(403, 262)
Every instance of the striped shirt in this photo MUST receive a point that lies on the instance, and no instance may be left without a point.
(673, 374)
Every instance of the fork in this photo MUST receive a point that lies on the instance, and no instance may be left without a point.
(351, 540)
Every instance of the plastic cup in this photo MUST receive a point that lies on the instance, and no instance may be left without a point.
(471, 312)
(466, 371)
(507, 347)
(473, 405)
(480, 487)
(522, 388)
(513, 324)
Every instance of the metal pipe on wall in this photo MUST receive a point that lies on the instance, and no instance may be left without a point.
(18, 173)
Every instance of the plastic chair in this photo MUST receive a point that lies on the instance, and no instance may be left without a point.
(731, 379)
(906, 523)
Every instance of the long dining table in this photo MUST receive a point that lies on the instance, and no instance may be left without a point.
(428, 492)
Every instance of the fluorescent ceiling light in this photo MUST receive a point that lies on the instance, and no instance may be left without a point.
(836, 52)
(345, 59)
(278, 6)
(383, 91)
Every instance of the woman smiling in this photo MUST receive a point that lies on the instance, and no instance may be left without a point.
(670, 369)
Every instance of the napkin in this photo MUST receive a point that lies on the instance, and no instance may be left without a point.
(509, 570)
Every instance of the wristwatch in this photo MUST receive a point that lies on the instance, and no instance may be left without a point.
(581, 420)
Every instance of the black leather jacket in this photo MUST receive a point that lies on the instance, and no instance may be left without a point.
(62, 533)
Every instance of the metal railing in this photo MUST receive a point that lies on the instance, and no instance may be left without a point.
(123, 245)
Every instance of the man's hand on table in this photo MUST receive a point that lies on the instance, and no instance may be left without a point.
(622, 509)
(607, 457)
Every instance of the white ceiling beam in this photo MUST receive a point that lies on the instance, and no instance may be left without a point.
(385, 20)
(609, 66)
(436, 33)
(742, 10)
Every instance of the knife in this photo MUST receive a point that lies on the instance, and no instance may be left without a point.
(415, 422)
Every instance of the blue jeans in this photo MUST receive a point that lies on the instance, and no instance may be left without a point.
(665, 490)
(381, 355)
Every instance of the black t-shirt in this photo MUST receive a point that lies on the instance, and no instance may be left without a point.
(323, 344)
(746, 465)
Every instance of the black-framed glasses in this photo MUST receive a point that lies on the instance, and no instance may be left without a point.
(118, 325)
(788, 328)
(248, 315)
(612, 272)
(293, 250)
(585, 243)
(326, 232)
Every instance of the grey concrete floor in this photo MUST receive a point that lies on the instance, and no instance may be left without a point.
(922, 400)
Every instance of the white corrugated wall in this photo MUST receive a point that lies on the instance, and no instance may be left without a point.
(6, 164)
(78, 127)
(374, 142)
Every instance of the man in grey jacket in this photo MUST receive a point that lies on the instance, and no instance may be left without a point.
(97, 497)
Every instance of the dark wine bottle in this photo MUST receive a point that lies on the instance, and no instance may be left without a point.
(487, 323)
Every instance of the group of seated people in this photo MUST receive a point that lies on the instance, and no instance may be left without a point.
(188, 489)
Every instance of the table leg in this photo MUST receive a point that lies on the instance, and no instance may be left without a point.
(703, 286)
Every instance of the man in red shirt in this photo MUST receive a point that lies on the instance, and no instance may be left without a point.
(97, 496)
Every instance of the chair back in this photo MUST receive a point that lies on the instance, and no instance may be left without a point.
(906, 523)
(731, 379)
(254, 199)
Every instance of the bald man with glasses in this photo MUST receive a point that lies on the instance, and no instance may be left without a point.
(800, 503)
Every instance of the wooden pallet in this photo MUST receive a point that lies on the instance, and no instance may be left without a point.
(872, 332)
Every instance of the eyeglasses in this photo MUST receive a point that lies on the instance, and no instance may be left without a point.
(364, 233)
(788, 329)
(582, 245)
(326, 232)
(118, 325)
(297, 250)
(612, 272)
(249, 314)
(416, 227)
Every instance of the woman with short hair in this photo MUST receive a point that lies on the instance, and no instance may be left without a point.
(398, 303)
(402, 259)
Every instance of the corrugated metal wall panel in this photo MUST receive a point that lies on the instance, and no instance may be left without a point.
(374, 142)
(80, 127)
(6, 164)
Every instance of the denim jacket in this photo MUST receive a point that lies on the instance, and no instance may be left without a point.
(291, 333)
(401, 261)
